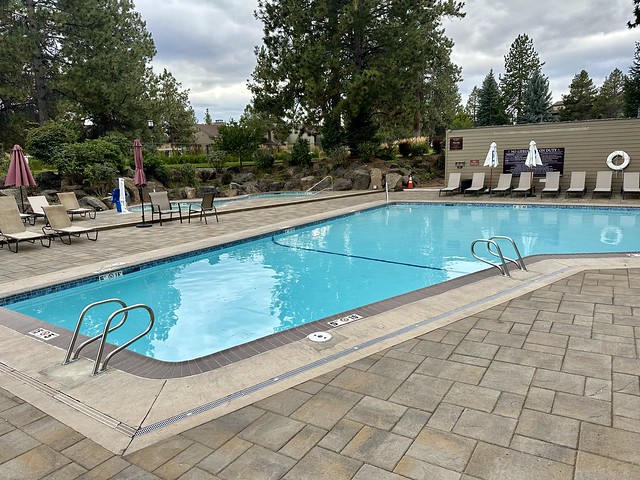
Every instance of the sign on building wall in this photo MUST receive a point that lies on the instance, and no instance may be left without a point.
(552, 161)
(455, 143)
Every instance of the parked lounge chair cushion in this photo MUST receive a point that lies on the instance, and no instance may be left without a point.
(477, 184)
(59, 223)
(9, 202)
(631, 183)
(12, 229)
(453, 185)
(551, 184)
(70, 202)
(161, 206)
(577, 184)
(603, 183)
(36, 203)
(524, 185)
(205, 206)
(504, 184)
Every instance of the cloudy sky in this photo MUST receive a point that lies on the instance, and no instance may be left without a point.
(208, 44)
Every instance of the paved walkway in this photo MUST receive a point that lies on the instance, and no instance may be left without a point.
(544, 386)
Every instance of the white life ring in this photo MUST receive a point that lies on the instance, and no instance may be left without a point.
(618, 153)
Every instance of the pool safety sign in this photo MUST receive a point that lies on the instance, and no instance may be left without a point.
(344, 320)
(43, 334)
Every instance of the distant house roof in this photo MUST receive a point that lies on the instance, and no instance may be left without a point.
(205, 134)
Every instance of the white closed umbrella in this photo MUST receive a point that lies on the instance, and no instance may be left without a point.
(533, 158)
(491, 160)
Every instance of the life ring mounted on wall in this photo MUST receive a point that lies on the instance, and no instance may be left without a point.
(618, 153)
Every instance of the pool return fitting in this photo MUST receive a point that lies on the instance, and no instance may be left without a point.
(492, 243)
(72, 356)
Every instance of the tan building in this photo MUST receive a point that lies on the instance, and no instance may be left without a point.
(563, 146)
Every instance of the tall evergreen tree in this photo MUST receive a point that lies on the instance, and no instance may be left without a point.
(609, 101)
(355, 64)
(632, 87)
(207, 117)
(537, 100)
(491, 109)
(471, 108)
(579, 102)
(520, 64)
(636, 15)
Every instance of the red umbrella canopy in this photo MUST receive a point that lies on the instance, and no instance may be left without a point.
(139, 178)
(19, 173)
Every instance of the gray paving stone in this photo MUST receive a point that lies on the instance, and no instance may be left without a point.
(629, 384)
(477, 349)
(508, 377)
(433, 349)
(464, 325)
(377, 447)
(485, 427)
(376, 413)
(553, 318)
(393, 368)
(258, 463)
(540, 399)
(271, 430)
(445, 417)
(509, 405)
(626, 405)
(110, 469)
(505, 339)
(411, 422)
(521, 329)
(444, 449)
(472, 396)
(610, 442)
(587, 364)
(35, 463)
(327, 407)
(492, 462)
(590, 297)
(225, 455)
(476, 335)
(493, 325)
(148, 458)
(559, 381)
(453, 338)
(632, 321)
(183, 462)
(468, 360)
(627, 301)
(530, 358)
(549, 428)
(21, 415)
(449, 370)
(421, 391)
(582, 408)
(518, 315)
(599, 346)
(629, 366)
(366, 383)
(543, 449)
(340, 435)
(217, 432)
(20, 443)
(417, 469)
(197, 474)
(369, 472)
(590, 466)
(548, 339)
(323, 464)
(53, 433)
(303, 442)
(71, 471)
(284, 403)
(598, 389)
(405, 356)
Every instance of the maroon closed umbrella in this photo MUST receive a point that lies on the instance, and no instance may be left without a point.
(19, 173)
(139, 178)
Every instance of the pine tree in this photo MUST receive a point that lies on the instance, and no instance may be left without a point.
(491, 109)
(520, 64)
(579, 102)
(632, 87)
(471, 108)
(609, 102)
(537, 100)
(207, 117)
(636, 15)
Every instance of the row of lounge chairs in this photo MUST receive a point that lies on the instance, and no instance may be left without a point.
(577, 186)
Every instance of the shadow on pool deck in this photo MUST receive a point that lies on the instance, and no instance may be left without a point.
(536, 376)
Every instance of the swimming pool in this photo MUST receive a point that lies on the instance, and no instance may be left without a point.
(231, 294)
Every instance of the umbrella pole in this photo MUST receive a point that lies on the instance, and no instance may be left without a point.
(143, 224)
(21, 199)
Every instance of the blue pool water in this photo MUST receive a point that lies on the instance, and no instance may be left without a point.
(230, 295)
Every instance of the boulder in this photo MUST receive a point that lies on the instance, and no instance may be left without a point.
(394, 182)
(360, 179)
(48, 180)
(189, 193)
(342, 184)
(96, 203)
(308, 182)
(244, 177)
(376, 179)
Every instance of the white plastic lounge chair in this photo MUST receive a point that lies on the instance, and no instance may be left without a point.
(59, 224)
(161, 206)
(631, 184)
(10, 203)
(477, 184)
(37, 202)
(70, 202)
(504, 184)
(524, 185)
(603, 183)
(551, 184)
(453, 185)
(205, 206)
(12, 229)
(577, 184)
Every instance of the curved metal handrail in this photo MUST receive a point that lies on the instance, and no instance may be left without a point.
(74, 338)
(502, 266)
(97, 368)
(518, 261)
(318, 183)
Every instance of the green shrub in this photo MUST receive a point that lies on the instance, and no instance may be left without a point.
(216, 159)
(282, 157)
(46, 142)
(263, 159)
(183, 176)
(300, 153)
(419, 148)
(367, 150)
(404, 148)
(339, 155)
(387, 152)
(79, 161)
(155, 168)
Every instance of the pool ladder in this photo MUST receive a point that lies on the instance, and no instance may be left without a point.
(72, 355)
(502, 266)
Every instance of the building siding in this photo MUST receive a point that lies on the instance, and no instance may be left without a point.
(587, 146)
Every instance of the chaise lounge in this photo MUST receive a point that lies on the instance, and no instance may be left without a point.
(453, 185)
(631, 184)
(477, 184)
(551, 184)
(603, 183)
(70, 202)
(504, 184)
(524, 185)
(13, 230)
(577, 184)
(59, 224)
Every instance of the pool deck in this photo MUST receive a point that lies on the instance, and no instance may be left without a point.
(530, 377)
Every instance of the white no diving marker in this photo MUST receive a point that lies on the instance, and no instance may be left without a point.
(319, 337)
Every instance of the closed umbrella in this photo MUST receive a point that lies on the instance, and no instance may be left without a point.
(533, 158)
(491, 160)
(19, 173)
(139, 178)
